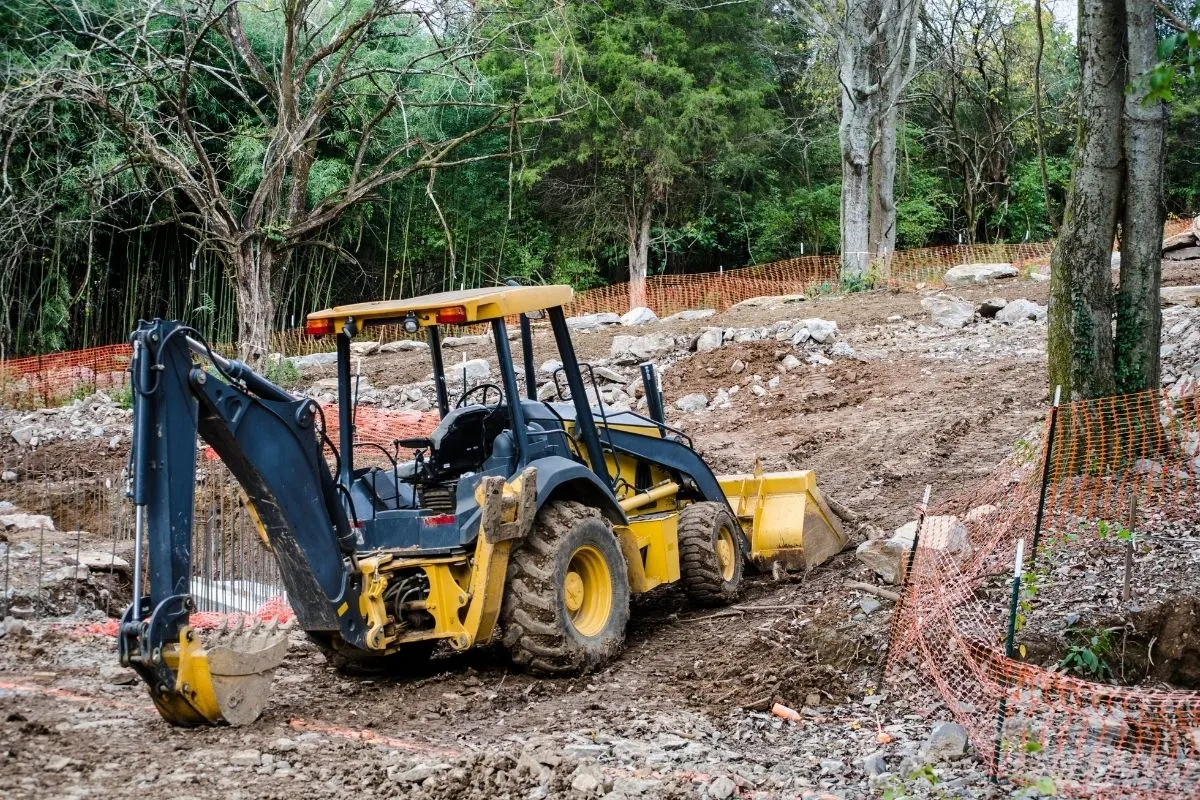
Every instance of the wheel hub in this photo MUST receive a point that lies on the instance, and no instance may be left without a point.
(726, 553)
(587, 591)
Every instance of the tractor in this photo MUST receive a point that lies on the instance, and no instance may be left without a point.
(527, 522)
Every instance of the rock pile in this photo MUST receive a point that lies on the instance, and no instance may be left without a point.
(1183, 249)
(97, 417)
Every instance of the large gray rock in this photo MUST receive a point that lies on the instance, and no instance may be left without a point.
(26, 522)
(466, 341)
(313, 360)
(638, 316)
(590, 322)
(691, 403)
(364, 348)
(821, 330)
(632, 349)
(967, 274)
(24, 435)
(990, 307)
(946, 742)
(767, 301)
(1180, 295)
(885, 556)
(688, 316)
(1021, 310)
(709, 339)
(948, 311)
(476, 369)
(402, 345)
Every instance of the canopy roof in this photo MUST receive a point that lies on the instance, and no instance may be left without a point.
(478, 305)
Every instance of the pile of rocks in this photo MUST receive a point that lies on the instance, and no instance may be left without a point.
(97, 417)
(954, 312)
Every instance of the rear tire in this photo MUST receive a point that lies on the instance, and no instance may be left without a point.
(566, 602)
(711, 564)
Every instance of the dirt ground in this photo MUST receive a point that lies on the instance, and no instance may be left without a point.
(685, 711)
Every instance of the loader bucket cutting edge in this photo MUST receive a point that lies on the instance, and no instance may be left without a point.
(223, 678)
(785, 518)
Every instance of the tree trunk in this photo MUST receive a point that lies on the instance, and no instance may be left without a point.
(637, 220)
(854, 135)
(254, 263)
(1080, 346)
(1139, 311)
(883, 185)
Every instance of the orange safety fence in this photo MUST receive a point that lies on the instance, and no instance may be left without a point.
(1031, 720)
(55, 377)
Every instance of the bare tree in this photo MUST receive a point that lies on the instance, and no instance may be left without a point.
(876, 58)
(235, 118)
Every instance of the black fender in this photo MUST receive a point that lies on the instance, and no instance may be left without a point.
(560, 478)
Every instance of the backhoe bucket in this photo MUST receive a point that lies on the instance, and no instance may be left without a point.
(785, 518)
(224, 677)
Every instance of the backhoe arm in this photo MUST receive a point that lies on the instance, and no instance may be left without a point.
(269, 440)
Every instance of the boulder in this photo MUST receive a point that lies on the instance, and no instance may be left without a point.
(313, 360)
(609, 375)
(946, 742)
(767, 301)
(403, 345)
(466, 341)
(24, 435)
(632, 349)
(1180, 295)
(547, 392)
(821, 330)
(639, 316)
(550, 367)
(948, 311)
(990, 307)
(1021, 310)
(364, 348)
(967, 274)
(26, 522)
(1185, 239)
(709, 339)
(476, 368)
(688, 316)
(885, 556)
(843, 350)
(691, 403)
(590, 322)
(790, 362)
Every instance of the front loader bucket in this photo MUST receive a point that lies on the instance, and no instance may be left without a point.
(224, 676)
(785, 518)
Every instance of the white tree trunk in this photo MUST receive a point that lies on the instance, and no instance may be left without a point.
(883, 185)
(854, 135)
(637, 222)
(254, 266)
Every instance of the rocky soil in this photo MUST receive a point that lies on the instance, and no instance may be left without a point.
(880, 392)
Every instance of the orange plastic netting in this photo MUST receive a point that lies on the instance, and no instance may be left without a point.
(1038, 723)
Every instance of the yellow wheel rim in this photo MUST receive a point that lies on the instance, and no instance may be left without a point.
(726, 553)
(588, 591)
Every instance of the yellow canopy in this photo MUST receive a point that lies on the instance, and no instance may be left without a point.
(457, 308)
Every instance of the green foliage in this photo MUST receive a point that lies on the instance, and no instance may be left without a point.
(282, 372)
(123, 397)
(1088, 659)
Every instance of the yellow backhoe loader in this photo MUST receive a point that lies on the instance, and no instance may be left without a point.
(531, 522)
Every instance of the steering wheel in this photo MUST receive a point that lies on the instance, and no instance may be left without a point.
(484, 388)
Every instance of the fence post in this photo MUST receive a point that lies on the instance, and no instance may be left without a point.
(1046, 462)
(1008, 651)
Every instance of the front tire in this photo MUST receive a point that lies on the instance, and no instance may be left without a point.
(566, 602)
(710, 554)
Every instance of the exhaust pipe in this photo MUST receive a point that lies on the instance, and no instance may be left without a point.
(654, 398)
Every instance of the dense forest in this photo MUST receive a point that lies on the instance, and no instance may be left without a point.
(158, 158)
